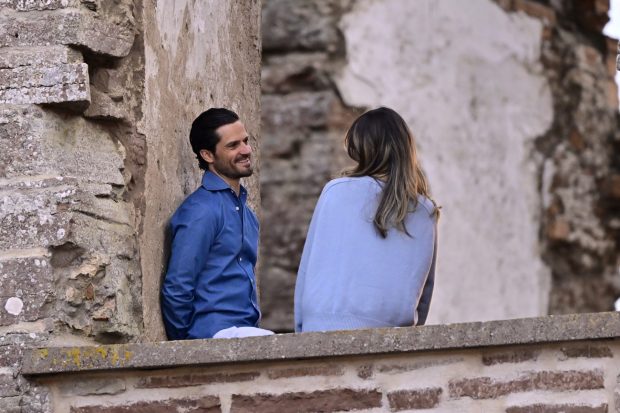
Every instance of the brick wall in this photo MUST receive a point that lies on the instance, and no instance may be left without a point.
(366, 371)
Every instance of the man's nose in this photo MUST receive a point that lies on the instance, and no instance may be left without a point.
(246, 149)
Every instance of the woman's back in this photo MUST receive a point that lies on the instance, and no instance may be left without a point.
(350, 276)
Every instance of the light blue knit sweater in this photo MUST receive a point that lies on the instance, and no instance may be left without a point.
(349, 277)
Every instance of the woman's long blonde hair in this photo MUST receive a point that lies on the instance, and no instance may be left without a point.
(383, 147)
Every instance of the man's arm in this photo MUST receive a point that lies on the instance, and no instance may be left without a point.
(191, 240)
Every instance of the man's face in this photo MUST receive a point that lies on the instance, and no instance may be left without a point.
(233, 155)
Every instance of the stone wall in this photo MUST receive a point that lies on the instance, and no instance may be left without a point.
(520, 366)
(514, 108)
(96, 102)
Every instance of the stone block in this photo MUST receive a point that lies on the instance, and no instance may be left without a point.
(511, 356)
(586, 350)
(25, 287)
(8, 386)
(102, 106)
(68, 27)
(487, 388)
(318, 401)
(394, 368)
(303, 25)
(67, 83)
(41, 142)
(10, 405)
(206, 404)
(36, 217)
(13, 57)
(558, 408)
(295, 72)
(193, 379)
(414, 399)
(88, 386)
(32, 5)
(304, 371)
(297, 110)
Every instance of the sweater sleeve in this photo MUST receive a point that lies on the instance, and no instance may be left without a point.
(305, 257)
(427, 292)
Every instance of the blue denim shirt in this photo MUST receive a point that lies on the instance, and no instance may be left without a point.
(210, 283)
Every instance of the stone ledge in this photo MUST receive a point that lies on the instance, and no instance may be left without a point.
(319, 345)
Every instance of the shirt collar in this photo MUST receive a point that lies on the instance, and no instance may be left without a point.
(212, 182)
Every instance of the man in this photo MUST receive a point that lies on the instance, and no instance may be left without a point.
(210, 287)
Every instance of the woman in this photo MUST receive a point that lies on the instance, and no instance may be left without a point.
(369, 258)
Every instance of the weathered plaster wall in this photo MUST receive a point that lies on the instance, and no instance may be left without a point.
(198, 55)
(514, 108)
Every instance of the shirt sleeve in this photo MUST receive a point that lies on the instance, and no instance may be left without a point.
(191, 240)
(427, 292)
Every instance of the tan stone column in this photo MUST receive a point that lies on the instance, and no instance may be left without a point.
(197, 55)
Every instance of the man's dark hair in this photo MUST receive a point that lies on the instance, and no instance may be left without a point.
(203, 135)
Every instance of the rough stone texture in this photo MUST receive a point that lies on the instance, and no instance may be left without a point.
(319, 401)
(558, 408)
(579, 155)
(518, 356)
(30, 5)
(587, 351)
(487, 388)
(10, 405)
(309, 25)
(12, 57)
(190, 66)
(68, 27)
(153, 382)
(511, 117)
(8, 385)
(207, 404)
(414, 399)
(63, 205)
(34, 291)
(63, 83)
(319, 370)
(87, 387)
(319, 345)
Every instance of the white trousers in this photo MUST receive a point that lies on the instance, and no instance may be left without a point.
(240, 332)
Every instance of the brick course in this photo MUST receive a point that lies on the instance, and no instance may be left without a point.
(207, 404)
(414, 399)
(488, 388)
(317, 401)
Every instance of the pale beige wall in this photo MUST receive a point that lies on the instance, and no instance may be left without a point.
(197, 55)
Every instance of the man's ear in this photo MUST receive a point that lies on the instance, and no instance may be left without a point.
(207, 156)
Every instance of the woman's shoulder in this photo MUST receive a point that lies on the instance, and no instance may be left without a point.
(427, 204)
(350, 183)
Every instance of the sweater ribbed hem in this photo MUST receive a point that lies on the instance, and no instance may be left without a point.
(327, 322)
